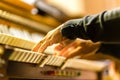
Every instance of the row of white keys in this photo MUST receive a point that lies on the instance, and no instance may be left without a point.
(37, 59)
(5, 39)
(56, 60)
(34, 57)
(28, 44)
(15, 56)
(53, 60)
(26, 56)
(60, 60)
(20, 33)
(14, 41)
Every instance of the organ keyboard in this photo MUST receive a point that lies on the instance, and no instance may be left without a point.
(25, 64)
(16, 41)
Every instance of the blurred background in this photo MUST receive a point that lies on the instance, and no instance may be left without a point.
(36, 17)
(54, 12)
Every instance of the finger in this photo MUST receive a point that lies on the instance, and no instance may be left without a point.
(44, 46)
(71, 53)
(68, 48)
(59, 47)
(65, 51)
(74, 53)
(37, 46)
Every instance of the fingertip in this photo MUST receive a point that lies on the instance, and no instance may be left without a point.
(36, 47)
(42, 48)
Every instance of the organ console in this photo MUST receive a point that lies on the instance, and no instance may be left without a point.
(21, 63)
(24, 64)
(17, 62)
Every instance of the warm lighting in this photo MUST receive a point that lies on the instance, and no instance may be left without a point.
(31, 2)
(70, 7)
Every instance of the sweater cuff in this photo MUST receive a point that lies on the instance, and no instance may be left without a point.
(74, 30)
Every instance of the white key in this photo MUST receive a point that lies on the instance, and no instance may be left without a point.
(22, 56)
(34, 57)
(60, 61)
(26, 56)
(56, 61)
(30, 57)
(9, 41)
(5, 39)
(40, 59)
(18, 54)
(45, 61)
(50, 60)
(13, 55)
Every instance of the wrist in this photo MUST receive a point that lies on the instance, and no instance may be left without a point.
(73, 29)
(68, 32)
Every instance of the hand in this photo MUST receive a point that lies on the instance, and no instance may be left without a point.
(77, 47)
(53, 36)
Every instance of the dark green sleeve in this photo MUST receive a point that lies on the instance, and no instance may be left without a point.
(103, 27)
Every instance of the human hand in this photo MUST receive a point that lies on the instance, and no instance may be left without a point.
(53, 36)
(56, 35)
(77, 47)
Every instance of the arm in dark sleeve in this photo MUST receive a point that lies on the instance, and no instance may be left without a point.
(103, 27)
